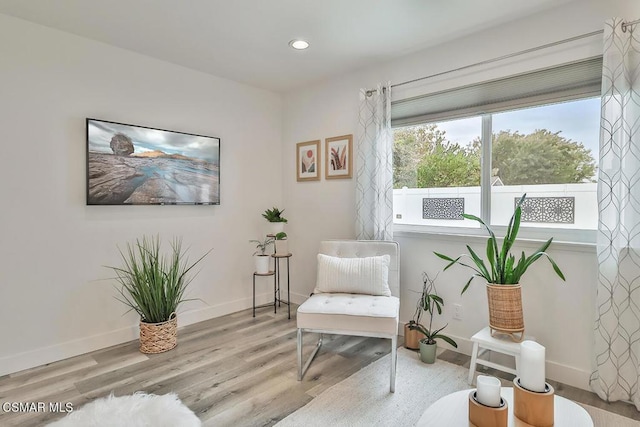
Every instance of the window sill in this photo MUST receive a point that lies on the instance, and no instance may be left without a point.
(567, 240)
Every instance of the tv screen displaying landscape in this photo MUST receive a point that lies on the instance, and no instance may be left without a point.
(136, 165)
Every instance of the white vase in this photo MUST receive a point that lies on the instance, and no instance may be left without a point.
(275, 228)
(262, 263)
(282, 247)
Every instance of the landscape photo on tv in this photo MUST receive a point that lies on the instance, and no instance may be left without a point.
(136, 165)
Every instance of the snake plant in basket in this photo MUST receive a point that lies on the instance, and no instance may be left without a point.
(502, 274)
(153, 284)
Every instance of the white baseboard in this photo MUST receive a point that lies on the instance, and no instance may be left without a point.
(43, 355)
(555, 371)
(568, 375)
(10, 364)
(210, 312)
(298, 298)
(53, 353)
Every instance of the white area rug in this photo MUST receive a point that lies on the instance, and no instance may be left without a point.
(137, 410)
(363, 399)
(602, 418)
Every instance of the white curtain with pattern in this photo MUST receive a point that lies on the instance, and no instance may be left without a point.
(374, 166)
(617, 329)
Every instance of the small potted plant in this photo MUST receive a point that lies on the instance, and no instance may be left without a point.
(260, 256)
(502, 274)
(153, 284)
(430, 302)
(276, 220)
(412, 337)
(282, 248)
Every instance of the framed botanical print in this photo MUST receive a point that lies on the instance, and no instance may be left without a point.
(338, 157)
(308, 161)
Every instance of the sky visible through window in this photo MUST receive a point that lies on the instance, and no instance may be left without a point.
(525, 152)
(576, 120)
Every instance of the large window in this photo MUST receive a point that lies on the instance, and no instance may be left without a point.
(550, 153)
(436, 173)
(484, 163)
(476, 149)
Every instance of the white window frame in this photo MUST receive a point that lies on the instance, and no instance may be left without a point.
(570, 236)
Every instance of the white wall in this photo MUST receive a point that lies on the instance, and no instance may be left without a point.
(559, 315)
(53, 247)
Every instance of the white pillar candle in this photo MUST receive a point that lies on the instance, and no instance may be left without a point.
(532, 373)
(488, 392)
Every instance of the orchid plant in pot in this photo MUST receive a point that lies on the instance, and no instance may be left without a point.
(502, 274)
(413, 336)
(430, 302)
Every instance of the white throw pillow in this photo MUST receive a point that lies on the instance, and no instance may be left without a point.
(368, 275)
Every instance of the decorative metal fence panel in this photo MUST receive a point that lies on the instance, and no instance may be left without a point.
(557, 210)
(443, 208)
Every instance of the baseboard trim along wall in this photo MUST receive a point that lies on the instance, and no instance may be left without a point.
(40, 356)
(43, 355)
(298, 298)
(555, 371)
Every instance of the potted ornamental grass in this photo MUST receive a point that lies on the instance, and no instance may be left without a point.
(502, 272)
(153, 284)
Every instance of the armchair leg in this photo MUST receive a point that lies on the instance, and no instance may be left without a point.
(301, 369)
(394, 362)
(299, 354)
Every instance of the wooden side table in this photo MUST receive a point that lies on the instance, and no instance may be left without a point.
(453, 410)
(278, 273)
(270, 273)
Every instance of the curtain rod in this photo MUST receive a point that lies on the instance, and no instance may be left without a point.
(511, 55)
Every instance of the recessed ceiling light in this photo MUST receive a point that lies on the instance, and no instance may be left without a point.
(299, 44)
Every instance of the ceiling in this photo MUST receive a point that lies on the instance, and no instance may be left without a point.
(247, 40)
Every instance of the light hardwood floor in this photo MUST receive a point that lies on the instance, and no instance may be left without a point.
(234, 370)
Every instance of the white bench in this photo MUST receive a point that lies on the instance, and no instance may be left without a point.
(484, 342)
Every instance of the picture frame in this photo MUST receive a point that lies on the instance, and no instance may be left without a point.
(338, 157)
(308, 161)
(139, 165)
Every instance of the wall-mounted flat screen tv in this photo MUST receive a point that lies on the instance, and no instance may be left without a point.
(137, 165)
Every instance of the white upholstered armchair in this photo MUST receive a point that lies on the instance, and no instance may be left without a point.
(357, 290)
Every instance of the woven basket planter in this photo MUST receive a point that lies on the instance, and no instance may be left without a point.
(505, 310)
(158, 337)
